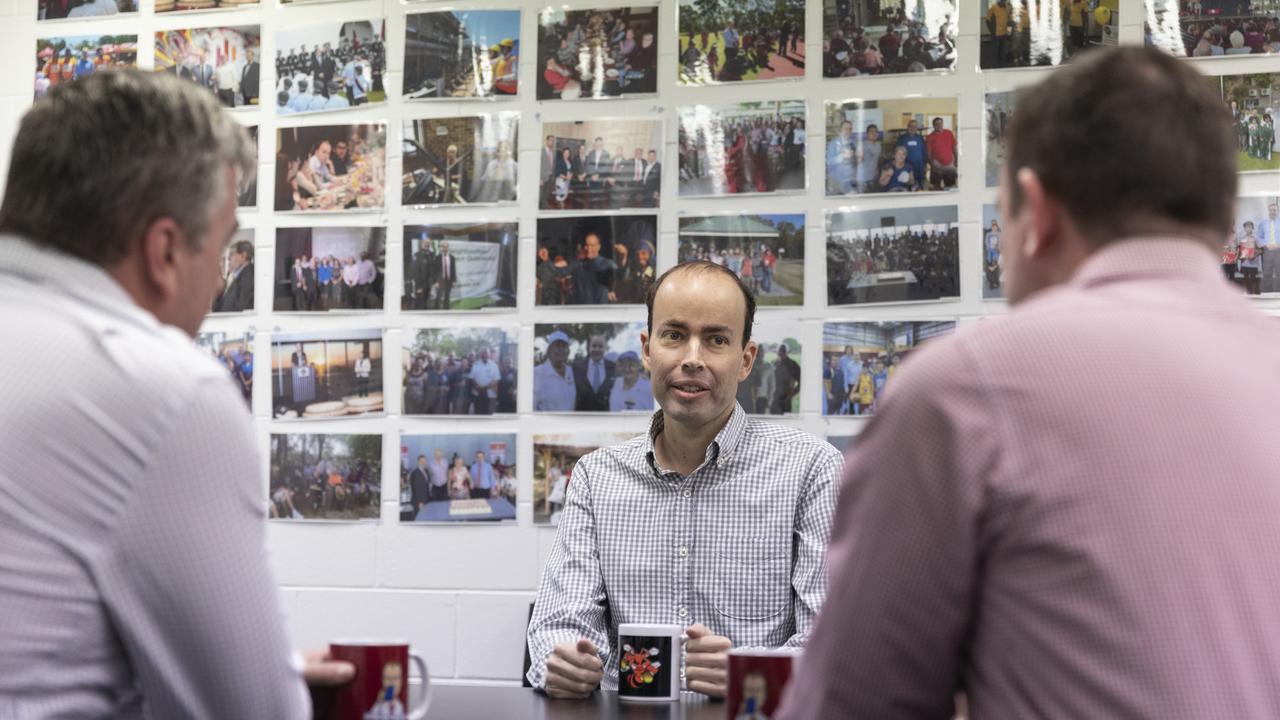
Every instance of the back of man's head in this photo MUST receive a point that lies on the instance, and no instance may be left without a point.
(97, 161)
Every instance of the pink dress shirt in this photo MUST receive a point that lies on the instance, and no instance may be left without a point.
(1069, 512)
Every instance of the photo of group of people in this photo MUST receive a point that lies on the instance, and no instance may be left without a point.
(222, 59)
(66, 59)
(765, 251)
(460, 266)
(1254, 101)
(332, 66)
(1213, 28)
(999, 113)
(236, 294)
(461, 54)
(992, 262)
(893, 255)
(234, 351)
(602, 52)
(81, 9)
(596, 259)
(860, 358)
(589, 367)
(457, 478)
(325, 476)
(333, 374)
(773, 385)
(460, 160)
(459, 371)
(736, 40)
(554, 457)
(868, 37)
(1029, 33)
(602, 164)
(1251, 250)
(753, 147)
(878, 146)
(330, 168)
(322, 269)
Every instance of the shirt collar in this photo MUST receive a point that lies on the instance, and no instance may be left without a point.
(1167, 258)
(720, 449)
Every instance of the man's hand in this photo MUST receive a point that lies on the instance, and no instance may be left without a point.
(706, 661)
(573, 670)
(321, 669)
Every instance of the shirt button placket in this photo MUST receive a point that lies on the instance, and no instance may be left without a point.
(683, 570)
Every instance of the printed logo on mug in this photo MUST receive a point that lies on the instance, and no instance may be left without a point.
(649, 659)
(756, 681)
(380, 688)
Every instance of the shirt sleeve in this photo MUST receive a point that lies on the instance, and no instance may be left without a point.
(185, 576)
(812, 530)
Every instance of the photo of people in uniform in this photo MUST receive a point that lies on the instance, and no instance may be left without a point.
(589, 367)
(458, 54)
(860, 358)
(331, 168)
(459, 371)
(999, 113)
(460, 160)
(1251, 249)
(322, 269)
(331, 66)
(893, 255)
(236, 294)
(601, 164)
(765, 251)
(67, 59)
(736, 40)
(234, 351)
(992, 262)
(329, 374)
(597, 53)
(325, 476)
(743, 148)
(554, 457)
(451, 478)
(773, 386)
(1254, 101)
(226, 60)
(595, 259)
(883, 146)
(460, 266)
(83, 9)
(1030, 33)
(865, 37)
(1213, 28)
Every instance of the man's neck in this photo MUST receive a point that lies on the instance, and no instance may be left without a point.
(683, 448)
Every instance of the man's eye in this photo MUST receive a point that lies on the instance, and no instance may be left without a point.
(672, 335)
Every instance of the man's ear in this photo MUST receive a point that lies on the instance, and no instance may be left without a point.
(644, 350)
(748, 359)
(162, 241)
(1046, 225)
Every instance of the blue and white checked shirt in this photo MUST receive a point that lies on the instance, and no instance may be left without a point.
(738, 545)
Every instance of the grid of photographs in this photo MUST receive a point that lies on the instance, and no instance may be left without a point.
(456, 54)
(66, 59)
(881, 146)
(865, 37)
(460, 160)
(458, 478)
(459, 371)
(744, 148)
(860, 358)
(725, 41)
(325, 476)
(597, 53)
(893, 255)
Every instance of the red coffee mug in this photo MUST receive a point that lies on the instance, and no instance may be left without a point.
(756, 681)
(380, 688)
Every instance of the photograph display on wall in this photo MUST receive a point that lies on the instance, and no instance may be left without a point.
(1251, 251)
(554, 457)
(595, 259)
(992, 262)
(868, 37)
(736, 40)
(322, 269)
(766, 251)
(904, 254)
(249, 191)
(456, 54)
(236, 269)
(744, 148)
(589, 367)
(597, 53)
(459, 371)
(325, 476)
(226, 60)
(83, 9)
(331, 168)
(460, 266)
(860, 358)
(1031, 33)
(234, 351)
(999, 113)
(1212, 28)
(330, 66)
(601, 164)
(457, 478)
(331, 374)
(460, 160)
(1254, 101)
(773, 385)
(69, 58)
(878, 146)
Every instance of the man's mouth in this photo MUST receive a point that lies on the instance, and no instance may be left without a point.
(689, 388)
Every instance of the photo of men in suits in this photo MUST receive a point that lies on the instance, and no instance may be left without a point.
(480, 260)
(579, 172)
(589, 367)
(594, 375)
(237, 288)
(324, 269)
(595, 260)
(445, 276)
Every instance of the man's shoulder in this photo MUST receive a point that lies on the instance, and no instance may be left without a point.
(763, 436)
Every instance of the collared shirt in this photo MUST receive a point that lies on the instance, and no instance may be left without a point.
(1062, 541)
(484, 373)
(368, 272)
(225, 75)
(553, 392)
(737, 545)
(129, 461)
(481, 476)
(439, 472)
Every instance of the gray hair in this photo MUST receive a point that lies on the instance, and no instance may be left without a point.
(97, 161)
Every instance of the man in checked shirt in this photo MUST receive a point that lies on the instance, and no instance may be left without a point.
(712, 520)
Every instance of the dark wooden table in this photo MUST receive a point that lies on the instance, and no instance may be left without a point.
(457, 702)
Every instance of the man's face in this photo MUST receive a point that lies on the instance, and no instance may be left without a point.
(653, 157)
(900, 155)
(444, 248)
(638, 154)
(598, 145)
(341, 149)
(913, 127)
(643, 256)
(323, 151)
(237, 260)
(199, 270)
(479, 456)
(438, 454)
(1271, 211)
(543, 254)
(422, 461)
(392, 675)
(557, 354)
(846, 129)
(937, 124)
(595, 347)
(484, 355)
(551, 143)
(593, 246)
(647, 40)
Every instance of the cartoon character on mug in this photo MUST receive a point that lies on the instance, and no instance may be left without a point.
(755, 693)
(388, 705)
(636, 662)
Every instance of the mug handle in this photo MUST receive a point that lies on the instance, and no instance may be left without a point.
(420, 712)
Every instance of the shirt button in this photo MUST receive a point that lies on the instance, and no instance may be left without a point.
(684, 552)
(688, 493)
(682, 612)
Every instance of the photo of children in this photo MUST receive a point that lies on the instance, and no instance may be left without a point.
(332, 66)
(222, 59)
(589, 367)
(992, 263)
(323, 476)
(554, 457)
(460, 160)
(321, 269)
(331, 168)
(1213, 28)
(1030, 33)
(461, 54)
(999, 113)
(595, 259)
(597, 53)
(860, 358)
(459, 371)
(766, 251)
(863, 37)
(235, 352)
(66, 59)
(1251, 250)
(1254, 101)
(736, 40)
(332, 374)
(601, 164)
(236, 295)
(457, 478)
(893, 255)
(745, 148)
(83, 9)
(460, 266)
(773, 386)
(878, 146)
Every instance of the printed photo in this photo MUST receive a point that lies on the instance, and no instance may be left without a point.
(860, 358)
(237, 275)
(1030, 33)
(460, 160)
(64, 59)
(554, 457)
(879, 146)
(736, 40)
(744, 148)
(83, 9)
(460, 266)
(589, 367)
(459, 371)
(773, 386)
(864, 37)
(597, 53)
(184, 6)
(843, 443)
(331, 168)
(234, 351)
(457, 54)
(325, 476)
(329, 268)
(603, 164)
(249, 192)
(766, 251)
(1213, 28)
(893, 255)
(330, 374)
(999, 113)
(596, 259)
(457, 478)
(223, 59)
(1251, 251)
(1254, 101)
(334, 66)
(992, 263)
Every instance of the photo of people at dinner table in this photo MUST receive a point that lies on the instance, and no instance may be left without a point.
(608, 52)
(331, 168)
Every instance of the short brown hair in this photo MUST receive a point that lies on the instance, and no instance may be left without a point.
(1125, 131)
(705, 266)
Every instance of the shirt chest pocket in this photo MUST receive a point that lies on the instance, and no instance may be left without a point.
(748, 583)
